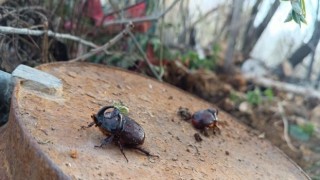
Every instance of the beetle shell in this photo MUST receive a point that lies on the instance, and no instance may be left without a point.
(205, 119)
(132, 133)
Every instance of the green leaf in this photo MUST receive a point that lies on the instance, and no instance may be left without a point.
(296, 17)
(122, 108)
(235, 98)
(298, 133)
(254, 97)
(289, 17)
(302, 19)
(156, 43)
(269, 93)
(296, 7)
(308, 128)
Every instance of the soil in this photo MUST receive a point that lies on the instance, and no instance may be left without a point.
(54, 122)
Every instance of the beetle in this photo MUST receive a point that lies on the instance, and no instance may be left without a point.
(205, 119)
(120, 129)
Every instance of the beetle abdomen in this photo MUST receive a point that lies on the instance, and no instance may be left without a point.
(132, 133)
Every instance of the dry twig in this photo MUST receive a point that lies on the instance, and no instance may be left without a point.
(286, 127)
(26, 31)
(303, 91)
(106, 46)
(154, 72)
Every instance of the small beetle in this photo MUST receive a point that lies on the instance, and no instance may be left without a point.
(205, 119)
(120, 129)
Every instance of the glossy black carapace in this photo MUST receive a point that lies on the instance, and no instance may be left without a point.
(120, 129)
(205, 119)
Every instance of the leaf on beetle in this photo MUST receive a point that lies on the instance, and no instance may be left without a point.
(122, 108)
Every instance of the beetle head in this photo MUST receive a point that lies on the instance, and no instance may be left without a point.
(214, 113)
(109, 119)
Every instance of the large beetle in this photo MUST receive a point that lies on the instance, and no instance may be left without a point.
(120, 129)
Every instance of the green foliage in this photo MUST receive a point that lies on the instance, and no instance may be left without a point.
(256, 97)
(302, 132)
(122, 108)
(298, 12)
(268, 93)
(235, 98)
(308, 128)
(192, 59)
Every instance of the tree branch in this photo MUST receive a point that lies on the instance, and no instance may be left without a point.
(145, 57)
(26, 31)
(303, 91)
(286, 127)
(106, 46)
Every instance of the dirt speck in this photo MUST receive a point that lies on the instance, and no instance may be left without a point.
(73, 153)
(184, 113)
(197, 137)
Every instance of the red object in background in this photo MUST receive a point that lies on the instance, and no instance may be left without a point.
(95, 12)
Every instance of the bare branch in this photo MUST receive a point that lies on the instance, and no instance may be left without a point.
(286, 127)
(142, 19)
(26, 31)
(303, 91)
(106, 46)
(145, 57)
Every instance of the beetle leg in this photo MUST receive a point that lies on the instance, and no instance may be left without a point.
(121, 149)
(147, 153)
(106, 141)
(89, 125)
(215, 128)
(205, 132)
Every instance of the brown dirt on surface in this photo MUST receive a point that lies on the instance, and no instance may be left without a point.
(55, 124)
